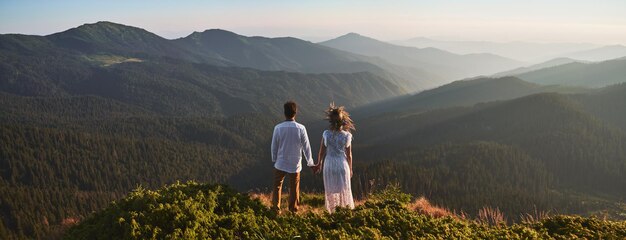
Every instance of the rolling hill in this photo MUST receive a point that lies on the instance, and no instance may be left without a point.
(595, 75)
(448, 65)
(599, 54)
(215, 47)
(547, 64)
(524, 51)
(462, 93)
(543, 131)
(98, 59)
(607, 104)
(88, 114)
(295, 55)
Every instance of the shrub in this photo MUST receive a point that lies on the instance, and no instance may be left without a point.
(203, 211)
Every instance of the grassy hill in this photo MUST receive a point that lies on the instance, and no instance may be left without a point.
(194, 210)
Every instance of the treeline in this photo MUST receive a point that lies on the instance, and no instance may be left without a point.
(540, 151)
(62, 158)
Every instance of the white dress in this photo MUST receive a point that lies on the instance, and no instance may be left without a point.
(336, 170)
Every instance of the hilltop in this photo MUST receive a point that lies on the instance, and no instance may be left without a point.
(202, 211)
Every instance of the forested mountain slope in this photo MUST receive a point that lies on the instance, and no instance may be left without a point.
(88, 114)
(438, 153)
(176, 87)
(462, 93)
(110, 43)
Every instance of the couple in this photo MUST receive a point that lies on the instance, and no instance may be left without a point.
(290, 141)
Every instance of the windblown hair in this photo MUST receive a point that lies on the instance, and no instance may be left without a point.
(339, 118)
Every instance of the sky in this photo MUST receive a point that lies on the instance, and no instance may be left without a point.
(592, 21)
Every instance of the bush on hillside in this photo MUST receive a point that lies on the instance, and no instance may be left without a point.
(200, 211)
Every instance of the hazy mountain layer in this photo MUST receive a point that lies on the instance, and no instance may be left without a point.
(547, 64)
(524, 51)
(448, 65)
(599, 54)
(598, 74)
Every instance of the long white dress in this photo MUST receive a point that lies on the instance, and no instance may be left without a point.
(336, 170)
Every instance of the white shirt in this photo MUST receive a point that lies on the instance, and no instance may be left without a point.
(289, 142)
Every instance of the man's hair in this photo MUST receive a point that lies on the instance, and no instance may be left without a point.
(290, 109)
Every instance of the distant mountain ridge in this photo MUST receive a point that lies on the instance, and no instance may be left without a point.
(136, 67)
(547, 64)
(524, 51)
(462, 93)
(554, 131)
(596, 74)
(599, 54)
(223, 48)
(446, 64)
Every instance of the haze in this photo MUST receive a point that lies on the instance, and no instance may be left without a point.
(600, 22)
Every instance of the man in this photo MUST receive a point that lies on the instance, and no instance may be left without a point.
(289, 142)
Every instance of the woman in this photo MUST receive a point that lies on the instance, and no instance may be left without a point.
(335, 158)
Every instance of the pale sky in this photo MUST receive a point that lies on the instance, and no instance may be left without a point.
(594, 21)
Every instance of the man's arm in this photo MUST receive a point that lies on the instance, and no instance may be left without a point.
(275, 145)
(306, 148)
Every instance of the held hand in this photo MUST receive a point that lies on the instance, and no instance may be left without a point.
(319, 168)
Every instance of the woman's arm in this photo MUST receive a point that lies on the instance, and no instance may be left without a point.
(321, 155)
(349, 157)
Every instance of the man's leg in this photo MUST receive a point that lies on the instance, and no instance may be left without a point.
(294, 191)
(279, 176)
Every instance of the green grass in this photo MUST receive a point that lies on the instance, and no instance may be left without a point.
(199, 211)
(108, 60)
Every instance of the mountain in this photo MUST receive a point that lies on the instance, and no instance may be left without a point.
(547, 64)
(219, 48)
(462, 93)
(448, 65)
(524, 51)
(295, 55)
(89, 113)
(86, 117)
(598, 74)
(176, 87)
(607, 104)
(599, 54)
(440, 154)
(285, 54)
(113, 38)
(135, 67)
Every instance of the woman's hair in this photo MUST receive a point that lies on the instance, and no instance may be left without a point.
(339, 118)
